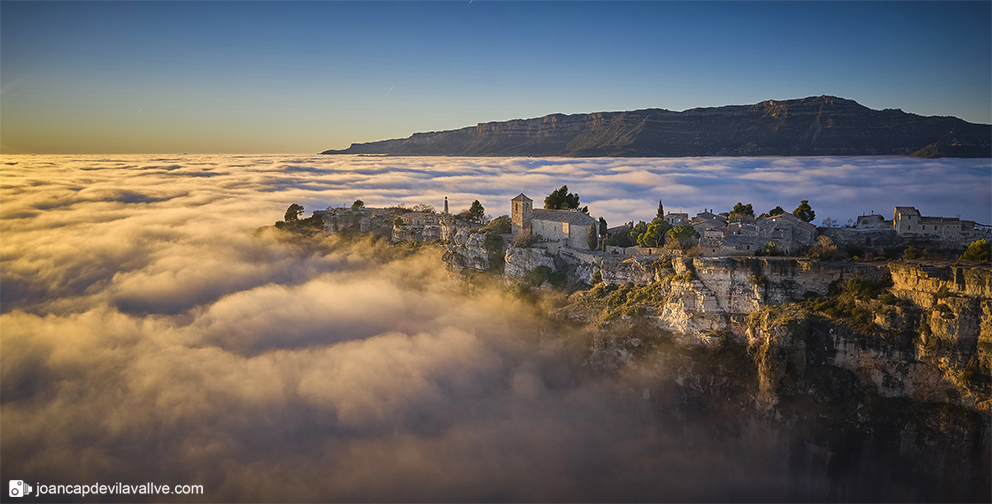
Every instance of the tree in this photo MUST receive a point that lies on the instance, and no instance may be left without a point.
(357, 205)
(776, 211)
(293, 212)
(654, 235)
(740, 210)
(425, 208)
(686, 235)
(561, 199)
(979, 250)
(475, 213)
(593, 238)
(602, 226)
(661, 210)
(824, 249)
(804, 211)
(830, 223)
(636, 232)
(771, 249)
(501, 225)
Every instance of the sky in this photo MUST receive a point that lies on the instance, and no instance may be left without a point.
(285, 77)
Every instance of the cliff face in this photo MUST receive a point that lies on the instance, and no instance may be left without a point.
(815, 126)
(865, 387)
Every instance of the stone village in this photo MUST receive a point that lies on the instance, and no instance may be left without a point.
(573, 241)
(718, 287)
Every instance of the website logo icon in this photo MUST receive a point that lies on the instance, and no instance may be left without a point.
(18, 488)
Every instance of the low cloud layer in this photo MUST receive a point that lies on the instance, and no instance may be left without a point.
(148, 334)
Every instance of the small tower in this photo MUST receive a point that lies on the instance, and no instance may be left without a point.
(445, 205)
(521, 209)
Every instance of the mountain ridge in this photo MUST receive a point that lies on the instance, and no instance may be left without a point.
(822, 125)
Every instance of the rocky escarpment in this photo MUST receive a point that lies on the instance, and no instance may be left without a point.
(815, 126)
(873, 385)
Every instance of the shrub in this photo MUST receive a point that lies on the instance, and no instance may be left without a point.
(501, 225)
(854, 250)
(979, 250)
(913, 253)
(686, 235)
(636, 232)
(597, 278)
(771, 250)
(759, 280)
(945, 311)
(541, 274)
(621, 239)
(824, 249)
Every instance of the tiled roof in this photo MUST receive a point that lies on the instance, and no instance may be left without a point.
(521, 197)
(569, 216)
(939, 220)
(907, 210)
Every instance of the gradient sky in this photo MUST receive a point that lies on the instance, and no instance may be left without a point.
(278, 77)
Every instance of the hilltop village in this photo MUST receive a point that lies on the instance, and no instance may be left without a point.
(762, 308)
(575, 246)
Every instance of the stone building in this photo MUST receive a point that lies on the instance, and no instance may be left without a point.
(421, 226)
(677, 219)
(365, 220)
(907, 221)
(909, 227)
(569, 227)
(520, 211)
(787, 232)
(748, 236)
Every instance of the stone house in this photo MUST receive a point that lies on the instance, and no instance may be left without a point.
(365, 220)
(908, 222)
(569, 227)
(872, 221)
(677, 219)
(420, 226)
(787, 232)
(909, 227)
(747, 236)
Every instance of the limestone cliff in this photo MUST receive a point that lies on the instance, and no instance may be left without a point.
(466, 252)
(868, 385)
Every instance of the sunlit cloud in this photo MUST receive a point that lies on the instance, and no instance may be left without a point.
(149, 333)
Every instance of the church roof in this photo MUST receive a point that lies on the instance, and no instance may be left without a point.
(521, 197)
(569, 216)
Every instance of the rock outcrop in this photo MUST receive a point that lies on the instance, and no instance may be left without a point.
(466, 252)
(814, 126)
(867, 386)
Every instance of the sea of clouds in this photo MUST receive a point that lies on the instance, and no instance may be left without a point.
(148, 332)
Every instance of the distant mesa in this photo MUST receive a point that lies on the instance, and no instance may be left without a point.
(815, 126)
